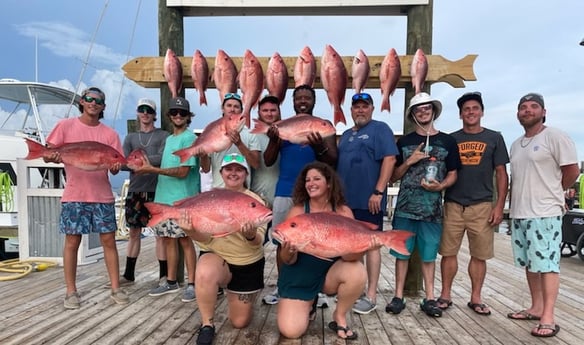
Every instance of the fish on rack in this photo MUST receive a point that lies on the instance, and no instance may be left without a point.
(200, 75)
(305, 68)
(360, 70)
(389, 75)
(333, 76)
(224, 74)
(277, 77)
(251, 83)
(419, 71)
(173, 72)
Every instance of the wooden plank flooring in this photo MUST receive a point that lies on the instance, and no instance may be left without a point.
(31, 310)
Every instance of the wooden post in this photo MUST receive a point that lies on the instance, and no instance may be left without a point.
(170, 35)
(419, 35)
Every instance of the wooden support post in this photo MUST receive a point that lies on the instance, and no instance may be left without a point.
(419, 35)
(170, 35)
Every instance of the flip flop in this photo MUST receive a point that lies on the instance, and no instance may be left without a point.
(523, 315)
(479, 308)
(336, 328)
(554, 330)
(445, 302)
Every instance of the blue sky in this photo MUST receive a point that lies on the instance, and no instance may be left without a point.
(522, 46)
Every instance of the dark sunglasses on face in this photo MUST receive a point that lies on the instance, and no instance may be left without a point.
(232, 96)
(89, 99)
(181, 112)
(146, 109)
(362, 97)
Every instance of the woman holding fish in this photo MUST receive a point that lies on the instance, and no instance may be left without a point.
(303, 276)
(234, 261)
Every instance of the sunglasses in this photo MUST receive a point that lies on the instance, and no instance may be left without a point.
(181, 112)
(146, 109)
(232, 96)
(89, 99)
(362, 97)
(423, 108)
(234, 157)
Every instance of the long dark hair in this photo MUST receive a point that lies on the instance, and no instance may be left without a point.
(336, 196)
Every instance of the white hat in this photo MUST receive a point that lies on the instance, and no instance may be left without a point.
(234, 158)
(423, 98)
(148, 102)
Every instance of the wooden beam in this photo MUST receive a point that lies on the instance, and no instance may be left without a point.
(148, 71)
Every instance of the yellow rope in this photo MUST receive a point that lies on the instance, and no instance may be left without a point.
(18, 269)
(6, 193)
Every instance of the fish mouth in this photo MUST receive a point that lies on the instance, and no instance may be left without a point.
(278, 236)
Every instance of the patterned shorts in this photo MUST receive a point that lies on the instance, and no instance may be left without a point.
(168, 228)
(536, 243)
(81, 218)
(137, 215)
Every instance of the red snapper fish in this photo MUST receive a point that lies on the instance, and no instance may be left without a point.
(296, 128)
(419, 71)
(224, 74)
(214, 138)
(251, 83)
(328, 235)
(173, 72)
(219, 212)
(85, 155)
(136, 159)
(305, 68)
(277, 77)
(360, 71)
(389, 75)
(200, 75)
(333, 76)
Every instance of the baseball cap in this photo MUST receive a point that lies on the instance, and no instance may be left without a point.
(423, 98)
(179, 103)
(147, 102)
(362, 97)
(269, 99)
(234, 158)
(532, 96)
(470, 96)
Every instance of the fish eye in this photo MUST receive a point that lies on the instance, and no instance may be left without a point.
(293, 225)
(253, 204)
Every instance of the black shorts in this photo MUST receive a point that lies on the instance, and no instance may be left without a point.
(245, 279)
(137, 216)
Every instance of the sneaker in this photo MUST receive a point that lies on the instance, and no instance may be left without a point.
(322, 301)
(72, 301)
(271, 298)
(430, 308)
(164, 289)
(206, 335)
(188, 294)
(364, 306)
(123, 283)
(396, 305)
(119, 296)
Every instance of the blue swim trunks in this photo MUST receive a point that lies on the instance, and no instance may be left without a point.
(81, 218)
(536, 243)
(426, 238)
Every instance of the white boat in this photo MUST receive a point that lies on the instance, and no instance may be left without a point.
(29, 110)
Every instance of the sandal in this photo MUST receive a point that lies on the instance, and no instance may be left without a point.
(479, 308)
(523, 315)
(554, 330)
(443, 303)
(430, 308)
(336, 328)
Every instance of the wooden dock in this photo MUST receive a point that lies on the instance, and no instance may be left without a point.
(32, 310)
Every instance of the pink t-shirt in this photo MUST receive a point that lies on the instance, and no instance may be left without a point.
(82, 185)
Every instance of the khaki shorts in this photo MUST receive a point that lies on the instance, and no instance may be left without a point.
(474, 220)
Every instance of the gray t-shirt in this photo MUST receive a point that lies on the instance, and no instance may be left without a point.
(264, 179)
(153, 144)
(480, 153)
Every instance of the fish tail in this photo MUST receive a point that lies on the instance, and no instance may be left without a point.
(385, 104)
(202, 98)
(339, 115)
(259, 127)
(396, 240)
(158, 212)
(35, 150)
(183, 154)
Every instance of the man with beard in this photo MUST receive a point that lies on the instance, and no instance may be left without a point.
(427, 164)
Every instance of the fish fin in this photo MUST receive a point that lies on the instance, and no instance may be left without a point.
(157, 212)
(35, 150)
(183, 154)
(396, 240)
(259, 127)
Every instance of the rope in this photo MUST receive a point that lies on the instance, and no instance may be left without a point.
(6, 193)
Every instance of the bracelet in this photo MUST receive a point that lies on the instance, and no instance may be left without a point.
(323, 151)
(251, 239)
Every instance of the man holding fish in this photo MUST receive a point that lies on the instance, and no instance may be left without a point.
(87, 204)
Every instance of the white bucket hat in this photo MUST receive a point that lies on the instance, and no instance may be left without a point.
(423, 98)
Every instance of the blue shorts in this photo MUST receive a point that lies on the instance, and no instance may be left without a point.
(426, 238)
(366, 216)
(536, 243)
(81, 218)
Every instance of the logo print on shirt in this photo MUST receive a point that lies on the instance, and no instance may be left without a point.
(471, 152)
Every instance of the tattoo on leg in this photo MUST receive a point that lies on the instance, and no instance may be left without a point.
(245, 298)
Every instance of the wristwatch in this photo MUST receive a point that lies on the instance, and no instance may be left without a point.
(376, 192)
